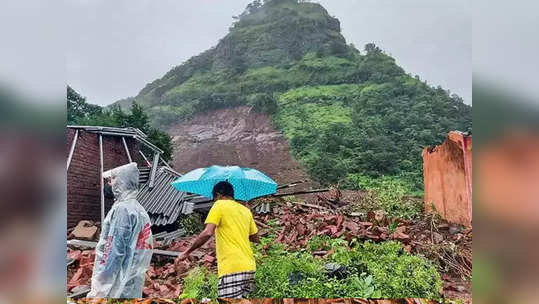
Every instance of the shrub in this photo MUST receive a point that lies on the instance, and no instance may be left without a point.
(199, 284)
(395, 272)
(382, 270)
(386, 193)
(192, 223)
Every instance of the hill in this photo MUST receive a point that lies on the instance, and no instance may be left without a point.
(347, 114)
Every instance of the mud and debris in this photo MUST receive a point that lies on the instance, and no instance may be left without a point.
(236, 136)
(448, 245)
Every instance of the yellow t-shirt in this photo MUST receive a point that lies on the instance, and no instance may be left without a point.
(234, 224)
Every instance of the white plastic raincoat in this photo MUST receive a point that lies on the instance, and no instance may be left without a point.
(124, 250)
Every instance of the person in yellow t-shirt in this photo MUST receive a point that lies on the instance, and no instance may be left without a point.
(234, 228)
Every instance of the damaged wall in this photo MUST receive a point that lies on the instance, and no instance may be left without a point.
(447, 173)
(83, 185)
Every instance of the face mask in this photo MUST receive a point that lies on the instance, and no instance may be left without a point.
(108, 191)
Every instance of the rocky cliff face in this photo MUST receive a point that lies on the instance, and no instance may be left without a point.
(234, 136)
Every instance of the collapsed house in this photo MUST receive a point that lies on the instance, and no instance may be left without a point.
(447, 173)
(92, 150)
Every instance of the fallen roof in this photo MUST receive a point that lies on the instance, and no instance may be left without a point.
(163, 203)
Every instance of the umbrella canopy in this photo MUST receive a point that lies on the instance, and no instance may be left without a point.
(248, 183)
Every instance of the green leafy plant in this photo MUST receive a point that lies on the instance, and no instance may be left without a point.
(395, 272)
(387, 193)
(191, 223)
(199, 284)
(319, 242)
(372, 270)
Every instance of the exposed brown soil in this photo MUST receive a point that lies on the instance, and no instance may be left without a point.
(236, 136)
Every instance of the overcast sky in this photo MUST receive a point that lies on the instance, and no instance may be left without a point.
(116, 47)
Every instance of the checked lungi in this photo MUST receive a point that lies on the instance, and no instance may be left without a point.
(236, 285)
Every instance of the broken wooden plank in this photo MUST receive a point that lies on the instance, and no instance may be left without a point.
(166, 252)
(151, 180)
(300, 192)
(311, 206)
(127, 150)
(81, 292)
(290, 185)
(90, 244)
(145, 159)
(72, 149)
(101, 178)
(262, 224)
(82, 243)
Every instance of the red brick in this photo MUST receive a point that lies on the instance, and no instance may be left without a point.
(83, 185)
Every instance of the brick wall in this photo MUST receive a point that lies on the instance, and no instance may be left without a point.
(447, 172)
(83, 185)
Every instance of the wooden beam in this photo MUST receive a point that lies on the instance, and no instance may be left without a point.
(151, 181)
(166, 164)
(101, 178)
(72, 149)
(290, 185)
(300, 192)
(311, 206)
(90, 244)
(127, 150)
(149, 144)
(145, 158)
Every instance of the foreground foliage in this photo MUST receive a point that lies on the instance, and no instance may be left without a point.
(370, 270)
(199, 284)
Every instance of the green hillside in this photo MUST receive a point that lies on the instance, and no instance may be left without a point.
(348, 114)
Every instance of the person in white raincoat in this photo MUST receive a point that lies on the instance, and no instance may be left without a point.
(124, 250)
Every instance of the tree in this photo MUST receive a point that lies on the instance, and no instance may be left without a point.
(371, 48)
(83, 113)
(78, 108)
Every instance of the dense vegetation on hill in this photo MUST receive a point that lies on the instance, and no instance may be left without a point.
(79, 112)
(348, 114)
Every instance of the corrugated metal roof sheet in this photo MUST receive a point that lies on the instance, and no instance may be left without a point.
(165, 238)
(144, 175)
(163, 203)
(262, 208)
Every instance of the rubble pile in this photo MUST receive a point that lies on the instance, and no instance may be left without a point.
(299, 225)
(294, 225)
(450, 244)
(164, 278)
(81, 265)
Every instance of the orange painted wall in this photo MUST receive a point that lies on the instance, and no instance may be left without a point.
(447, 173)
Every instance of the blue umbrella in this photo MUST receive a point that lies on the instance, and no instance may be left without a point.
(248, 183)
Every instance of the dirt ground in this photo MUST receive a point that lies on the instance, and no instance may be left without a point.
(238, 136)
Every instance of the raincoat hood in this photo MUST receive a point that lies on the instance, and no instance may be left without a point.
(125, 181)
